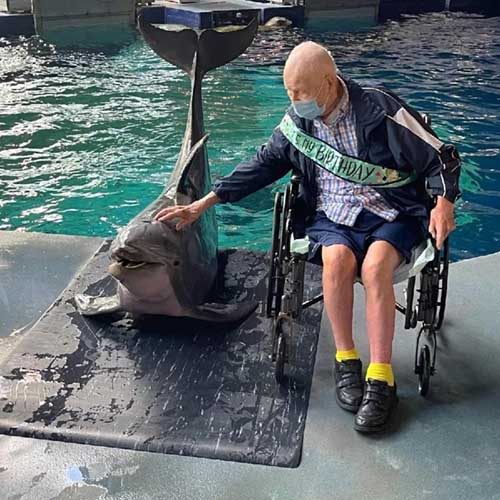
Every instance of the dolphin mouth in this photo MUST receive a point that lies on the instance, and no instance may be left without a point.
(127, 262)
(120, 268)
(130, 264)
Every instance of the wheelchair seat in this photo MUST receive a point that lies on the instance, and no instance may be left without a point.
(420, 256)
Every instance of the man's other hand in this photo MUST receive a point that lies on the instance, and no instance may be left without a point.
(442, 221)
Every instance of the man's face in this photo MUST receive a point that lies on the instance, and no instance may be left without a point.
(323, 90)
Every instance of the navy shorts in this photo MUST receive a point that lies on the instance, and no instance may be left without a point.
(404, 233)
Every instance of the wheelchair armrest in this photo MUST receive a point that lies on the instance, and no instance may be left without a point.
(300, 247)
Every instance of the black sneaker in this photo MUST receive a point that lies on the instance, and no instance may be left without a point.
(348, 384)
(379, 400)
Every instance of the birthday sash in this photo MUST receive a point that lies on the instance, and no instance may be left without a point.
(343, 166)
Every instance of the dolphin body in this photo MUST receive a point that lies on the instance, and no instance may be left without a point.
(161, 270)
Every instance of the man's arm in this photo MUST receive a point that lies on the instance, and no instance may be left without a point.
(268, 165)
(439, 163)
(415, 142)
(442, 220)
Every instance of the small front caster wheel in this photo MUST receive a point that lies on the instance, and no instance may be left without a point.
(424, 370)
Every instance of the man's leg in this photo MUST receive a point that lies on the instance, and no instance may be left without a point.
(376, 273)
(379, 397)
(339, 272)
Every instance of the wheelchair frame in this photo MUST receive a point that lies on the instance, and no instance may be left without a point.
(285, 301)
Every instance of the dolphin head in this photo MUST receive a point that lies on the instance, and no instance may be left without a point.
(145, 255)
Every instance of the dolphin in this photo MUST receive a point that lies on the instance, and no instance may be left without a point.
(159, 269)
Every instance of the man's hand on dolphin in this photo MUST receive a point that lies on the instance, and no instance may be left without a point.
(187, 213)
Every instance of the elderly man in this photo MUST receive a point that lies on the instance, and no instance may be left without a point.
(367, 163)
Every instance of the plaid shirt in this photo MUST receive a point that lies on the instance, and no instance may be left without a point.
(341, 200)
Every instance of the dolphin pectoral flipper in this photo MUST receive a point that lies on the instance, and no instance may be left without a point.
(181, 184)
(184, 183)
(89, 305)
(195, 149)
(214, 48)
(223, 313)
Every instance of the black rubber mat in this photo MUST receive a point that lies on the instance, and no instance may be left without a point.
(160, 384)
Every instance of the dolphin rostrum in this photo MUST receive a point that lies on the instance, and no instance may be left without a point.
(159, 269)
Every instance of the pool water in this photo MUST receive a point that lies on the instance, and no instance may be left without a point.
(89, 136)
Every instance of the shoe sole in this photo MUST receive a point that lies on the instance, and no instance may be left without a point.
(378, 428)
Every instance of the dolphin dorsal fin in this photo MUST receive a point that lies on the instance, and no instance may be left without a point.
(214, 48)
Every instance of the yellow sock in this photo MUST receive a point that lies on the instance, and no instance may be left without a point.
(345, 355)
(380, 371)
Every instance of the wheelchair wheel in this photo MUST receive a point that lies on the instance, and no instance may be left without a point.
(279, 367)
(282, 255)
(280, 347)
(286, 230)
(424, 370)
(275, 250)
(443, 265)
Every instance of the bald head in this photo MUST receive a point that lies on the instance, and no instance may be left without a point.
(309, 61)
(311, 73)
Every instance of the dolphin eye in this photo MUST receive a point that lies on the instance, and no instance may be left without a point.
(176, 263)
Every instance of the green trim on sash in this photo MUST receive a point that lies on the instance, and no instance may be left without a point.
(343, 166)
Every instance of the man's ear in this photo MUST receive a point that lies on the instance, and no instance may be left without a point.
(330, 87)
(335, 81)
(338, 86)
(331, 82)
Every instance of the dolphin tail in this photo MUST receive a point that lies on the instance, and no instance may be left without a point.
(212, 48)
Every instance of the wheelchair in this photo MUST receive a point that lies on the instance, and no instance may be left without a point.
(425, 298)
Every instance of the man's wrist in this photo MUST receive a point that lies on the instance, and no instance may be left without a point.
(444, 203)
(209, 200)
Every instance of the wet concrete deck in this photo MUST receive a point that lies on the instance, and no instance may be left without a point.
(445, 446)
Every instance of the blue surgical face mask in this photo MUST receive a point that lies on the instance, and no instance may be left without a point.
(309, 109)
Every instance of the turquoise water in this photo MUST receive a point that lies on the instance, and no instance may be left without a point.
(88, 136)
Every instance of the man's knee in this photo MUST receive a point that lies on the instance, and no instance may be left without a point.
(379, 264)
(339, 262)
